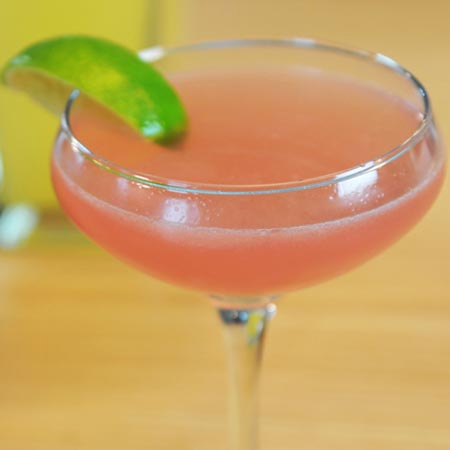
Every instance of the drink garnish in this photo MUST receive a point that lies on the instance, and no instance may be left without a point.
(110, 74)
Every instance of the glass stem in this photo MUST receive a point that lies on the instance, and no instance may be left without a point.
(244, 331)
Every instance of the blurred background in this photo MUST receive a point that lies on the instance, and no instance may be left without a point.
(91, 352)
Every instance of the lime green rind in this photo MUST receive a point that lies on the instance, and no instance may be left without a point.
(112, 75)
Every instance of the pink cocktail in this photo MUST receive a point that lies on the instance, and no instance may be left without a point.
(302, 160)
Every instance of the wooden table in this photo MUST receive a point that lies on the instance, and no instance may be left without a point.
(95, 356)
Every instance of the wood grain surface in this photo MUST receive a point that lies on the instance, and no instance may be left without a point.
(96, 356)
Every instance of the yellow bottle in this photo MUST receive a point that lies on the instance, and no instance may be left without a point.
(26, 130)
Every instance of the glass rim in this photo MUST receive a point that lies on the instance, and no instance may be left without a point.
(156, 53)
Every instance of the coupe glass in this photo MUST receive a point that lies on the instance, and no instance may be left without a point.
(247, 244)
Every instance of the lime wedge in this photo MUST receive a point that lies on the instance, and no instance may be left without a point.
(108, 73)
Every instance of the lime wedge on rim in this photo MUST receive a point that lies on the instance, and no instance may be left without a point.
(104, 71)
